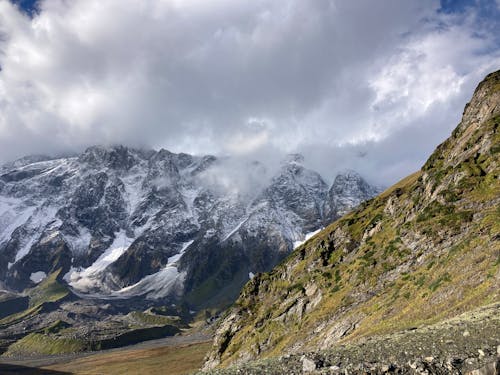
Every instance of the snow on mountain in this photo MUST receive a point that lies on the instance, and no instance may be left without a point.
(87, 279)
(307, 236)
(123, 223)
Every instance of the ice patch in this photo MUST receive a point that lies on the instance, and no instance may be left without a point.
(89, 278)
(296, 244)
(38, 276)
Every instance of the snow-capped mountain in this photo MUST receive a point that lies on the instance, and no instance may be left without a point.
(123, 223)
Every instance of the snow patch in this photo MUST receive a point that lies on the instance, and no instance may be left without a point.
(189, 195)
(25, 249)
(175, 258)
(133, 190)
(36, 224)
(251, 275)
(235, 229)
(296, 244)
(89, 278)
(38, 276)
(78, 244)
(13, 213)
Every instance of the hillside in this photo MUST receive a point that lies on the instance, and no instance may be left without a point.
(425, 250)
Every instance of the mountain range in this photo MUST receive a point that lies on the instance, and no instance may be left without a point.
(118, 223)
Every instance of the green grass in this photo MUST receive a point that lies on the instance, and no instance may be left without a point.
(172, 360)
(37, 343)
(49, 290)
(153, 319)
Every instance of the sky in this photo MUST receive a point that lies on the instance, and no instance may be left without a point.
(368, 85)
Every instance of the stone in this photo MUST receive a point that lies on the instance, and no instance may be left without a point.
(308, 365)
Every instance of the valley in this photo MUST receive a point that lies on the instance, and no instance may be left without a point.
(180, 354)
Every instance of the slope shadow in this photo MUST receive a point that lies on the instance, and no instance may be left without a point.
(8, 369)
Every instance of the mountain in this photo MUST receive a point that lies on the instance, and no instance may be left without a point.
(425, 250)
(118, 223)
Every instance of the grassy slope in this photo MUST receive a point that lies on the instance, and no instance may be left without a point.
(42, 344)
(49, 290)
(425, 249)
(168, 360)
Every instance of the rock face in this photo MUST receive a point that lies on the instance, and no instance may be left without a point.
(122, 223)
(425, 249)
(439, 348)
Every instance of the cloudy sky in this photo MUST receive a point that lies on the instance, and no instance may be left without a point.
(369, 85)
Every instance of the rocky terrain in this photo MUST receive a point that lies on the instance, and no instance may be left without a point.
(425, 250)
(459, 345)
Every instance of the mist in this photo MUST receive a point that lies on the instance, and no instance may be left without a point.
(374, 87)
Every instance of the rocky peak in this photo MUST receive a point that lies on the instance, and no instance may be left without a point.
(347, 191)
(163, 165)
(184, 160)
(350, 182)
(115, 157)
(484, 103)
(472, 144)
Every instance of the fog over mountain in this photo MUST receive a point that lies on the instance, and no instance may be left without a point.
(370, 86)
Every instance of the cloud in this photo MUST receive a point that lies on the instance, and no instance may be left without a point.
(331, 79)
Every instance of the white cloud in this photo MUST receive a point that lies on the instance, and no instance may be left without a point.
(334, 79)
